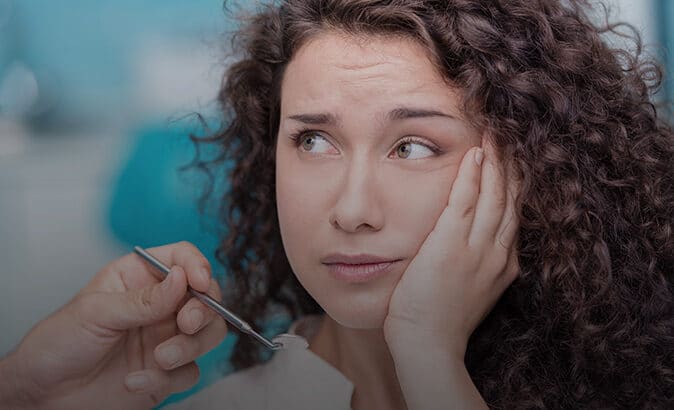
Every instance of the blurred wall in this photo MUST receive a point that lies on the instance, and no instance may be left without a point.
(79, 81)
(106, 64)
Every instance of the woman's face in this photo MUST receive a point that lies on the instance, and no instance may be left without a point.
(375, 169)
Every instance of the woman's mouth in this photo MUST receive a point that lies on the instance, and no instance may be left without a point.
(360, 272)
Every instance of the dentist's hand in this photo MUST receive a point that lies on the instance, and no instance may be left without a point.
(119, 343)
(465, 263)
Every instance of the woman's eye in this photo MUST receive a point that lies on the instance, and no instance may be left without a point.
(407, 150)
(311, 140)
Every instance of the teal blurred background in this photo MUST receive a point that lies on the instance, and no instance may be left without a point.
(95, 104)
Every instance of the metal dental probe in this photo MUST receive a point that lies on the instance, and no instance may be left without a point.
(212, 303)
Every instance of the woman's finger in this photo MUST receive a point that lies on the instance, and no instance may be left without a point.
(509, 273)
(456, 220)
(161, 383)
(491, 202)
(182, 348)
(509, 226)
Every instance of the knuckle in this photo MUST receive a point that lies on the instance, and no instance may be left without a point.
(500, 241)
(204, 265)
(201, 259)
(185, 245)
(501, 201)
(468, 211)
(190, 248)
(192, 251)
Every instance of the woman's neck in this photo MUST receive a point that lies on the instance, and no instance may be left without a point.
(364, 358)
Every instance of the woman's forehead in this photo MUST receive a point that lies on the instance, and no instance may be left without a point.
(350, 59)
(331, 71)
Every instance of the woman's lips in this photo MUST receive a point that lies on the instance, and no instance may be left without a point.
(357, 273)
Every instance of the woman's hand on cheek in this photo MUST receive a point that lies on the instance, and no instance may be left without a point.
(464, 264)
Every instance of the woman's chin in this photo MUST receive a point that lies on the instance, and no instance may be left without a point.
(355, 314)
(352, 305)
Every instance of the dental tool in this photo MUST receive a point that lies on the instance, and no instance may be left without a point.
(215, 306)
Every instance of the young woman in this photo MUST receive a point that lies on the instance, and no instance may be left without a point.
(540, 278)
(459, 204)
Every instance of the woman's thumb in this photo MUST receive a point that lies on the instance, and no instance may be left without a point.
(141, 307)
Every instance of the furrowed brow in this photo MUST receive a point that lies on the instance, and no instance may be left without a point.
(396, 114)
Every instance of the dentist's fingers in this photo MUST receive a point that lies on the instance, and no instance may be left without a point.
(456, 220)
(182, 349)
(194, 315)
(161, 382)
(136, 307)
(137, 273)
(189, 258)
(492, 201)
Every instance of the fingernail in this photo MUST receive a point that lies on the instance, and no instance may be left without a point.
(196, 318)
(137, 382)
(169, 354)
(479, 156)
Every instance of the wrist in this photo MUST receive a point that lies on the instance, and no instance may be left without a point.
(431, 371)
(434, 375)
(15, 389)
(405, 337)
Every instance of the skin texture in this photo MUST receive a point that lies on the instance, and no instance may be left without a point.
(348, 189)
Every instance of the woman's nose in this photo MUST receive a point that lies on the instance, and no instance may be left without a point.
(357, 205)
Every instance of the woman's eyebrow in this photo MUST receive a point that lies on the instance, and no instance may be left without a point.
(396, 114)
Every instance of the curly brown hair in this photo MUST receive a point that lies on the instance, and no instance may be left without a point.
(590, 320)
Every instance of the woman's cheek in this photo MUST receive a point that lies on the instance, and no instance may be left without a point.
(299, 213)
